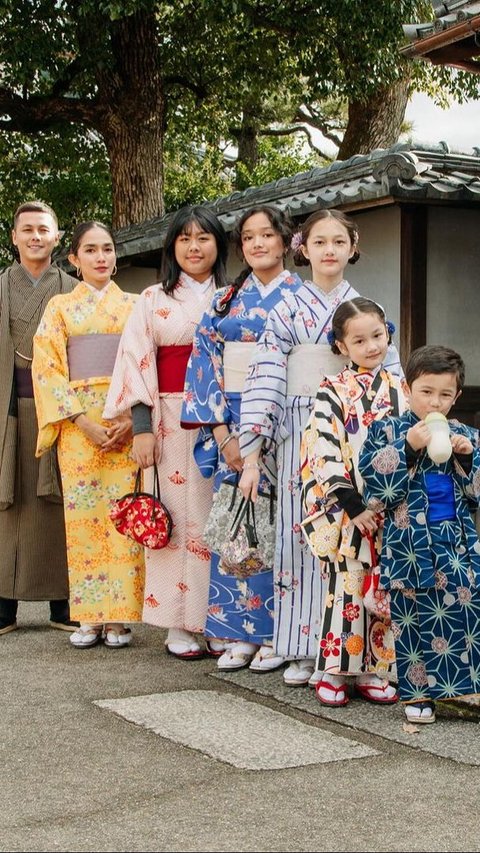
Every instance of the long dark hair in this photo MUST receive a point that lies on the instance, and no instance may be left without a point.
(281, 224)
(181, 223)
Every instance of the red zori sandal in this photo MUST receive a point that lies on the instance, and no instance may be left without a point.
(338, 693)
(379, 691)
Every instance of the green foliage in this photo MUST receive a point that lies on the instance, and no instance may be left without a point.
(69, 171)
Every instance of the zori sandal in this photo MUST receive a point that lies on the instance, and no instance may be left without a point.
(377, 690)
(117, 638)
(338, 694)
(266, 660)
(86, 636)
(237, 656)
(420, 712)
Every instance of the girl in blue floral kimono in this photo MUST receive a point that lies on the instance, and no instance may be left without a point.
(291, 358)
(240, 613)
(431, 554)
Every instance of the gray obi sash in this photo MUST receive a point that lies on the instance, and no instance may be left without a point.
(91, 355)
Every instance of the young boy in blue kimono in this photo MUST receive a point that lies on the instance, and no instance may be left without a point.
(430, 553)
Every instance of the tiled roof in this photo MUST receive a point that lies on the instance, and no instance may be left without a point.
(403, 173)
(452, 31)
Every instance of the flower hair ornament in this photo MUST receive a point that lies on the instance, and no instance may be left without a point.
(331, 337)
(296, 241)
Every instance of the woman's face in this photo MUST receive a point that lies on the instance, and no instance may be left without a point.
(95, 257)
(262, 247)
(196, 252)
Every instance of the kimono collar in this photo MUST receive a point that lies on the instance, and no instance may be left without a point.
(200, 288)
(266, 289)
(98, 294)
(364, 371)
(329, 295)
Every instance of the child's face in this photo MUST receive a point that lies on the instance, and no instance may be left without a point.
(433, 392)
(365, 340)
(328, 248)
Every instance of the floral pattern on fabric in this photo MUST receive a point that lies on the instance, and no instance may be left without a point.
(106, 570)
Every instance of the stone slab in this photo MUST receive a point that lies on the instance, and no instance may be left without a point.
(231, 729)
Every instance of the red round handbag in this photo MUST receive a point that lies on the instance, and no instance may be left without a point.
(142, 516)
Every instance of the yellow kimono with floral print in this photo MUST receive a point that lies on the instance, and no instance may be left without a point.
(106, 570)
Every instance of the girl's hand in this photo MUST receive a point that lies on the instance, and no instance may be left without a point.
(231, 454)
(96, 433)
(249, 483)
(418, 436)
(461, 444)
(145, 450)
(119, 433)
(367, 521)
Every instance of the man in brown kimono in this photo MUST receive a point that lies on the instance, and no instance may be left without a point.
(33, 559)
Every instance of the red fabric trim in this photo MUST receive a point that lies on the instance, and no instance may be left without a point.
(171, 368)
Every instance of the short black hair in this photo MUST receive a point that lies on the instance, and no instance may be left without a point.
(34, 207)
(181, 223)
(434, 358)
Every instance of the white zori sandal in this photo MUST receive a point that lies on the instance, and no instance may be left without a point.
(299, 672)
(266, 660)
(420, 712)
(117, 636)
(86, 636)
(236, 656)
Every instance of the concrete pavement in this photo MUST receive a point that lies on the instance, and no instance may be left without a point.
(130, 749)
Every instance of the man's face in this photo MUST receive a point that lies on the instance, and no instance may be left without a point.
(35, 236)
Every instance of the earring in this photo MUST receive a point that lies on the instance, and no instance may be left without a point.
(79, 272)
(114, 271)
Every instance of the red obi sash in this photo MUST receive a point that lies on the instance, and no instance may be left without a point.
(171, 368)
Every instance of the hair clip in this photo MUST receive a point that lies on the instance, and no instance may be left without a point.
(227, 296)
(296, 241)
(331, 337)
(390, 327)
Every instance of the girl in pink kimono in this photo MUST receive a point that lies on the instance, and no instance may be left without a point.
(149, 376)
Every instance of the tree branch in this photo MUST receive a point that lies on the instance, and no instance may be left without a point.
(297, 128)
(186, 83)
(40, 112)
(319, 124)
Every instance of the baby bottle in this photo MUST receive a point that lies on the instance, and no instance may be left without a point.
(439, 448)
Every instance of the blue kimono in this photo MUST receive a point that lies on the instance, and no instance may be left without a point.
(239, 609)
(430, 559)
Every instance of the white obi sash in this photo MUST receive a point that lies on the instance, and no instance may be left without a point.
(307, 365)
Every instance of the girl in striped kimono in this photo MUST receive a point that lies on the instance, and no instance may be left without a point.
(149, 376)
(340, 527)
(291, 358)
(74, 353)
(240, 612)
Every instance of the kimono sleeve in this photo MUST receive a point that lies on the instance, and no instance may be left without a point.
(55, 399)
(264, 395)
(204, 402)
(134, 378)
(325, 453)
(383, 465)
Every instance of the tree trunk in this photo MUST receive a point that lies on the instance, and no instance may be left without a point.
(375, 122)
(131, 119)
(135, 153)
(247, 137)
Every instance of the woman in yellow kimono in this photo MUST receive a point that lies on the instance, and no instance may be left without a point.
(74, 353)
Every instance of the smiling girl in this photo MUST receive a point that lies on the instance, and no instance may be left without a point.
(74, 353)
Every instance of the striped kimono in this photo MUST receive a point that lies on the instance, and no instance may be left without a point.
(350, 640)
(238, 609)
(269, 411)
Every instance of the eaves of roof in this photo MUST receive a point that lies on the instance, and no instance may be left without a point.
(402, 173)
(450, 39)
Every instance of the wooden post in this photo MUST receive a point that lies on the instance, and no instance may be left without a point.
(413, 278)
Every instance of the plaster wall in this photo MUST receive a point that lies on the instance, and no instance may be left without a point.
(453, 300)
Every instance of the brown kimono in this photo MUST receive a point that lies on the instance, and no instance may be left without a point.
(33, 560)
